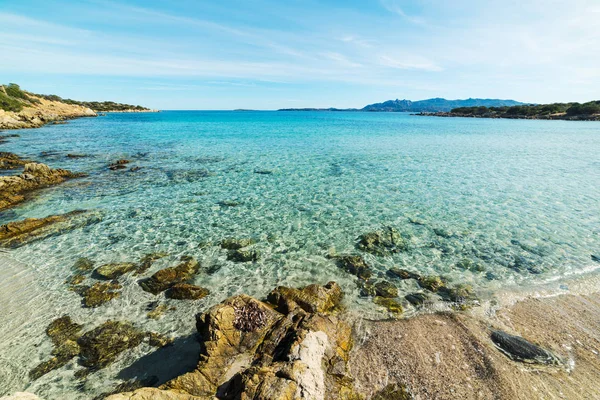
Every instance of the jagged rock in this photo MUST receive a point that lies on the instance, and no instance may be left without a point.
(241, 255)
(392, 392)
(416, 299)
(100, 293)
(185, 291)
(392, 305)
(270, 356)
(355, 265)
(147, 261)
(19, 233)
(235, 244)
(312, 298)
(384, 242)
(386, 289)
(113, 270)
(14, 188)
(402, 274)
(431, 282)
(102, 345)
(165, 278)
(83, 264)
(520, 349)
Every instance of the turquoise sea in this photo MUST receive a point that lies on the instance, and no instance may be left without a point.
(517, 201)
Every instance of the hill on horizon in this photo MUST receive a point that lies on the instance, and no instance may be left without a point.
(437, 105)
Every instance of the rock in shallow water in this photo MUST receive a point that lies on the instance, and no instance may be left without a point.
(99, 293)
(114, 270)
(355, 265)
(242, 255)
(384, 242)
(165, 278)
(520, 349)
(185, 291)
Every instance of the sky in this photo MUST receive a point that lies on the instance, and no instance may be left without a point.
(263, 54)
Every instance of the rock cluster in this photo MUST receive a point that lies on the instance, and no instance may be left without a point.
(169, 277)
(293, 347)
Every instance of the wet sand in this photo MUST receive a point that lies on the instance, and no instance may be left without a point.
(451, 355)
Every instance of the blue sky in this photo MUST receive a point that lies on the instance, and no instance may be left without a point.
(266, 54)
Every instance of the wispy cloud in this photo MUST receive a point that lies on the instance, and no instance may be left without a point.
(394, 7)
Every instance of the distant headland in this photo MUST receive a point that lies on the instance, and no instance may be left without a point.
(22, 109)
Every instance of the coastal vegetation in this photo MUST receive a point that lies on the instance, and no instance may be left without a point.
(581, 111)
(14, 99)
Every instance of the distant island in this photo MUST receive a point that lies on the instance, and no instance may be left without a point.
(429, 105)
(23, 109)
(589, 111)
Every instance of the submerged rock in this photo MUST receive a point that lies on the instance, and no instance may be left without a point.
(520, 349)
(113, 270)
(19, 233)
(402, 274)
(147, 261)
(241, 255)
(100, 293)
(252, 351)
(83, 264)
(384, 242)
(165, 278)
(62, 329)
(355, 265)
(63, 332)
(235, 244)
(14, 188)
(386, 289)
(416, 299)
(119, 164)
(595, 258)
(101, 346)
(185, 291)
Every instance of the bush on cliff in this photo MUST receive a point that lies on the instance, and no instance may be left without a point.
(9, 104)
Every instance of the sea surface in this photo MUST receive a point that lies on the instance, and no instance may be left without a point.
(497, 204)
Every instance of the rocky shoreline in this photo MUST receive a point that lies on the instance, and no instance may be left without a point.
(42, 113)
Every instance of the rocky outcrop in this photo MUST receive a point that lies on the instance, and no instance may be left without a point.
(42, 112)
(11, 161)
(14, 188)
(18, 233)
(293, 347)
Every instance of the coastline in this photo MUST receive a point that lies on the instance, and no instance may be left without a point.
(423, 353)
(43, 113)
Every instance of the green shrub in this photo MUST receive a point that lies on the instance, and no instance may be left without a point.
(9, 104)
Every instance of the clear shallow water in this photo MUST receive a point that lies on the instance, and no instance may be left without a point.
(520, 198)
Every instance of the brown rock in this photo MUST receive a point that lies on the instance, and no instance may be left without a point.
(185, 291)
(165, 278)
(114, 270)
(100, 293)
